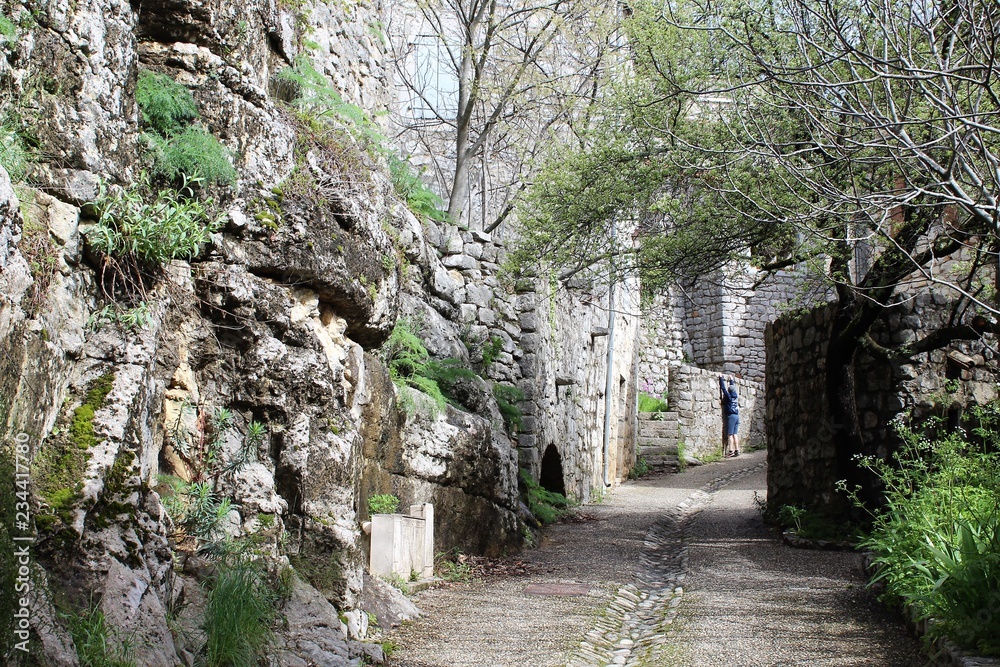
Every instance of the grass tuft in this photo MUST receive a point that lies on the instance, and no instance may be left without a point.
(239, 613)
(192, 152)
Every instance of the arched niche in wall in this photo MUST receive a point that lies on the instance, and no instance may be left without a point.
(551, 477)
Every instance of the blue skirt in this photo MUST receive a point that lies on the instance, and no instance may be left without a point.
(732, 424)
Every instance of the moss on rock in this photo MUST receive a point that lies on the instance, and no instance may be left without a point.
(62, 460)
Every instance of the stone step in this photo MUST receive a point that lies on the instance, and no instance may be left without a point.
(664, 431)
(662, 462)
(658, 451)
(657, 416)
(657, 442)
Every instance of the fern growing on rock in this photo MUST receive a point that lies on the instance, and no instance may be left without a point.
(165, 106)
(182, 151)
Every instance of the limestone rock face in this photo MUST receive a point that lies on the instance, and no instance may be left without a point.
(456, 460)
(276, 324)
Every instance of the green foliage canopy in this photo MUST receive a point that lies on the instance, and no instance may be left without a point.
(794, 130)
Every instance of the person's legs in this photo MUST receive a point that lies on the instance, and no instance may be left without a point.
(731, 442)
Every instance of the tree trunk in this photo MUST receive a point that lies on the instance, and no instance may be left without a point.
(841, 395)
(459, 187)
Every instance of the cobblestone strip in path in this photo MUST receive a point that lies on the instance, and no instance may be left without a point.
(637, 620)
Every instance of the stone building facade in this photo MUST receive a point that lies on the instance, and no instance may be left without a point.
(717, 325)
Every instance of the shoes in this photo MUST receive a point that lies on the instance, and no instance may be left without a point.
(736, 453)
(730, 455)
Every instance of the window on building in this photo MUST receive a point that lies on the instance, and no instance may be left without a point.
(435, 81)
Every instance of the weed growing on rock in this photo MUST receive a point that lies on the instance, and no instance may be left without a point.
(423, 201)
(452, 566)
(396, 581)
(137, 235)
(546, 506)
(491, 351)
(317, 100)
(164, 105)
(7, 29)
(14, 153)
(192, 152)
(38, 249)
(508, 396)
(130, 319)
(640, 469)
(181, 151)
(197, 507)
(241, 608)
(650, 403)
(407, 358)
(383, 503)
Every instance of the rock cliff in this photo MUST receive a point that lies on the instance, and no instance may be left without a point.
(249, 373)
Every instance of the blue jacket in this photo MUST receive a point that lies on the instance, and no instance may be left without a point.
(730, 400)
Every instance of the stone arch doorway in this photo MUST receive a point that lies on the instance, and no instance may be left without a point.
(551, 477)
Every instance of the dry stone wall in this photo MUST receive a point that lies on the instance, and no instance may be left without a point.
(718, 322)
(802, 461)
(564, 374)
(694, 396)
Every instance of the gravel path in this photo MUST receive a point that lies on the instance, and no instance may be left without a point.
(678, 570)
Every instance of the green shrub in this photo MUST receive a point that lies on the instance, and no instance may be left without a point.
(193, 152)
(407, 359)
(180, 150)
(508, 396)
(492, 350)
(546, 506)
(7, 29)
(383, 503)
(937, 541)
(449, 374)
(452, 565)
(164, 105)
(640, 469)
(418, 196)
(319, 101)
(197, 508)
(97, 644)
(650, 403)
(172, 226)
(241, 607)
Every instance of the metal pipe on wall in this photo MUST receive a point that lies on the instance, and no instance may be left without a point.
(609, 377)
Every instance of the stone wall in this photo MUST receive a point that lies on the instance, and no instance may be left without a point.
(564, 375)
(661, 342)
(802, 462)
(694, 395)
(718, 322)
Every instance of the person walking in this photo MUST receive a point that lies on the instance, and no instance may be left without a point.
(730, 415)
